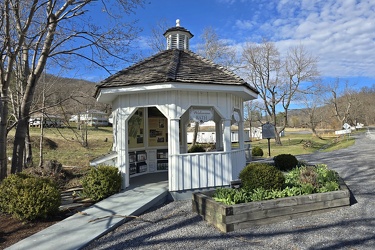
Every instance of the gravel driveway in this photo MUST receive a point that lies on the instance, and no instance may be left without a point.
(174, 226)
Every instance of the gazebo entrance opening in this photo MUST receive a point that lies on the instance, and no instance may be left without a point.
(147, 142)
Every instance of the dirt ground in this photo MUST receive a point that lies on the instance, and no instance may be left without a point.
(13, 230)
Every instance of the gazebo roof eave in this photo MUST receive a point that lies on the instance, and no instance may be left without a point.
(108, 94)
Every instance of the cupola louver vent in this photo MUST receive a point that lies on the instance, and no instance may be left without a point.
(178, 37)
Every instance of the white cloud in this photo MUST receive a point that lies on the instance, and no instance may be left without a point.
(245, 24)
(340, 33)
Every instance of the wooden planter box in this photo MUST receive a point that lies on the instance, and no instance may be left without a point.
(230, 218)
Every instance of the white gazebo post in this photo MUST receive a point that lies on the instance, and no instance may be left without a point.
(123, 116)
(227, 135)
(219, 134)
(241, 133)
(238, 117)
(173, 141)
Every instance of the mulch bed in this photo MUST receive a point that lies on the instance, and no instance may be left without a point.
(13, 230)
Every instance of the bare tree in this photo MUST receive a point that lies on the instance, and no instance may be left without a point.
(253, 114)
(217, 50)
(263, 65)
(276, 78)
(157, 41)
(313, 103)
(340, 100)
(59, 31)
(366, 104)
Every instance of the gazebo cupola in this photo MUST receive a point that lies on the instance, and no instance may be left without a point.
(178, 37)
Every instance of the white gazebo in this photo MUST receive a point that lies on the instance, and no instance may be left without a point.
(153, 103)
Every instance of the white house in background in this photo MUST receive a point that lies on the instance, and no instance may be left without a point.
(49, 120)
(206, 133)
(153, 102)
(92, 117)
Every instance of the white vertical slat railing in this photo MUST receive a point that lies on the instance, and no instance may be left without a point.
(238, 162)
(204, 170)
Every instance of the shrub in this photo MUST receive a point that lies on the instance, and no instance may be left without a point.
(308, 175)
(196, 148)
(257, 151)
(28, 197)
(101, 182)
(285, 162)
(261, 175)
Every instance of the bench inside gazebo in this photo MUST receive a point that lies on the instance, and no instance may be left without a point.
(153, 103)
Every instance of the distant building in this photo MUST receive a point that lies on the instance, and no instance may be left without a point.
(207, 133)
(48, 120)
(92, 118)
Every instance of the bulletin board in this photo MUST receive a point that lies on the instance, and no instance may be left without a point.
(158, 131)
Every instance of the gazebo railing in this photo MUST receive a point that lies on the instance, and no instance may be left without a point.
(205, 170)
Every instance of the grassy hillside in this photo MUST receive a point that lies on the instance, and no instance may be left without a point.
(65, 144)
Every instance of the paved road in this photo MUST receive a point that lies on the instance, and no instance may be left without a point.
(174, 226)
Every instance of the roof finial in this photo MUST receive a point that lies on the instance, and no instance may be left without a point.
(178, 23)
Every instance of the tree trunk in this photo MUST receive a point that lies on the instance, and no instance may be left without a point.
(3, 137)
(28, 149)
(41, 138)
(196, 129)
(277, 133)
(277, 137)
(19, 146)
(22, 126)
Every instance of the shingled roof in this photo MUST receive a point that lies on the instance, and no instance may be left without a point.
(176, 66)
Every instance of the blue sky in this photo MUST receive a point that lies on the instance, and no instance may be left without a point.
(341, 33)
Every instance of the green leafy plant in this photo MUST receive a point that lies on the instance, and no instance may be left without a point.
(301, 180)
(307, 188)
(101, 182)
(257, 151)
(261, 175)
(285, 162)
(258, 194)
(292, 177)
(325, 174)
(329, 187)
(231, 196)
(28, 197)
(292, 191)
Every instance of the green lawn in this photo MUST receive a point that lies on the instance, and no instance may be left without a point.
(64, 145)
(297, 144)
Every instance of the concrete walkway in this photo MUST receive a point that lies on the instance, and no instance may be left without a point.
(78, 230)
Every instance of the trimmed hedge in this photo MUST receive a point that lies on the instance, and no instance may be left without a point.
(261, 175)
(196, 149)
(257, 151)
(285, 162)
(101, 182)
(28, 197)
